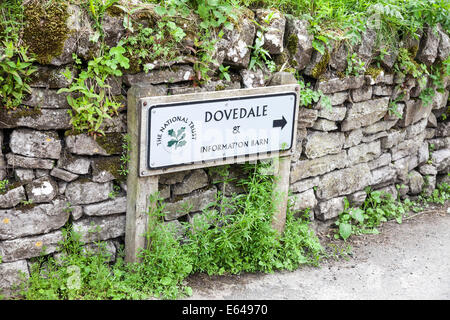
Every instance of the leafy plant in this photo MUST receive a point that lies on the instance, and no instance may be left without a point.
(309, 96)
(355, 66)
(92, 101)
(260, 57)
(224, 72)
(3, 185)
(15, 70)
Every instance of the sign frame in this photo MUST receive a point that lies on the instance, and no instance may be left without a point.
(147, 103)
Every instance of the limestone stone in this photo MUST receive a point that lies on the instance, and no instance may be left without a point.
(336, 99)
(44, 189)
(427, 170)
(338, 57)
(235, 43)
(439, 143)
(38, 144)
(25, 248)
(382, 77)
(415, 182)
(330, 209)
(63, 174)
(393, 138)
(428, 48)
(365, 113)
(391, 189)
(196, 201)
(86, 192)
(318, 144)
(444, 44)
(115, 124)
(196, 180)
(94, 229)
(42, 119)
(52, 77)
(252, 79)
(2, 167)
(106, 169)
(306, 117)
(439, 100)
(365, 49)
(335, 114)
(304, 184)
(74, 164)
(384, 175)
(337, 84)
(432, 121)
(12, 197)
(407, 147)
(84, 144)
(317, 64)
(318, 166)
(24, 174)
(117, 205)
(324, 125)
(273, 31)
(401, 166)
(37, 219)
(281, 77)
(39, 173)
(423, 154)
(443, 129)
(11, 276)
(304, 200)
(172, 178)
(364, 152)
(298, 41)
(429, 185)
(76, 212)
(416, 129)
(383, 160)
(171, 75)
(357, 199)
(441, 159)
(361, 94)
(414, 112)
(17, 161)
(382, 90)
(343, 182)
(373, 137)
(353, 138)
(379, 126)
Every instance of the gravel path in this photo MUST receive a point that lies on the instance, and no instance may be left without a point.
(406, 261)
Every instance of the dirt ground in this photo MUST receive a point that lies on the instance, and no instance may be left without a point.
(405, 261)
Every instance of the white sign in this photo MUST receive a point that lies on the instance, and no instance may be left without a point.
(200, 131)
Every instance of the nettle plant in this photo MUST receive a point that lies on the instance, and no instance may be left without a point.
(92, 101)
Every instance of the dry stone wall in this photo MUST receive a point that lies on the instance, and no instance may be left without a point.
(57, 177)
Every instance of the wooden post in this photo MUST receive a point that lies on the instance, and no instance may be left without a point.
(280, 193)
(139, 188)
(281, 187)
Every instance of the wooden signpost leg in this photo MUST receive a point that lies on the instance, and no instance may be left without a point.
(139, 188)
(280, 193)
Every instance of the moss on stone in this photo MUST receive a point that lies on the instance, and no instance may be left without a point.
(111, 142)
(292, 43)
(373, 72)
(220, 87)
(320, 68)
(413, 51)
(9, 118)
(46, 29)
(111, 165)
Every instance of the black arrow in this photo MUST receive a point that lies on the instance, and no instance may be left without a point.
(279, 123)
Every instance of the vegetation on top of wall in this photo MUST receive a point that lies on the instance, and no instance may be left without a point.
(163, 31)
